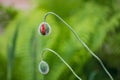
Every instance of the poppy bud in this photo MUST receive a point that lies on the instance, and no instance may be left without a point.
(44, 29)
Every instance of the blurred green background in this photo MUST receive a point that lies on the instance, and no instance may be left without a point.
(97, 22)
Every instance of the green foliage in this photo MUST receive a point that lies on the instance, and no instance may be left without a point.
(108, 50)
(6, 14)
(3, 66)
(92, 20)
(11, 53)
(67, 7)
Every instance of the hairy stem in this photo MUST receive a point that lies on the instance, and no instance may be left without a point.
(79, 39)
(47, 49)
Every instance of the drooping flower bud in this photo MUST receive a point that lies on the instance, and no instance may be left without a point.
(44, 29)
(43, 67)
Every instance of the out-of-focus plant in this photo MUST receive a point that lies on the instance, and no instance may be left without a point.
(11, 54)
(111, 47)
(6, 14)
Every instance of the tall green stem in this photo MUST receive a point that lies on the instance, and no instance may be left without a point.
(11, 53)
(79, 39)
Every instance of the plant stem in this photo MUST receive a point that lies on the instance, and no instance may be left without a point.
(47, 49)
(79, 39)
(33, 46)
(11, 54)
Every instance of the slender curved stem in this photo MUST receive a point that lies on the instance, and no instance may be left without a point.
(47, 49)
(79, 39)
